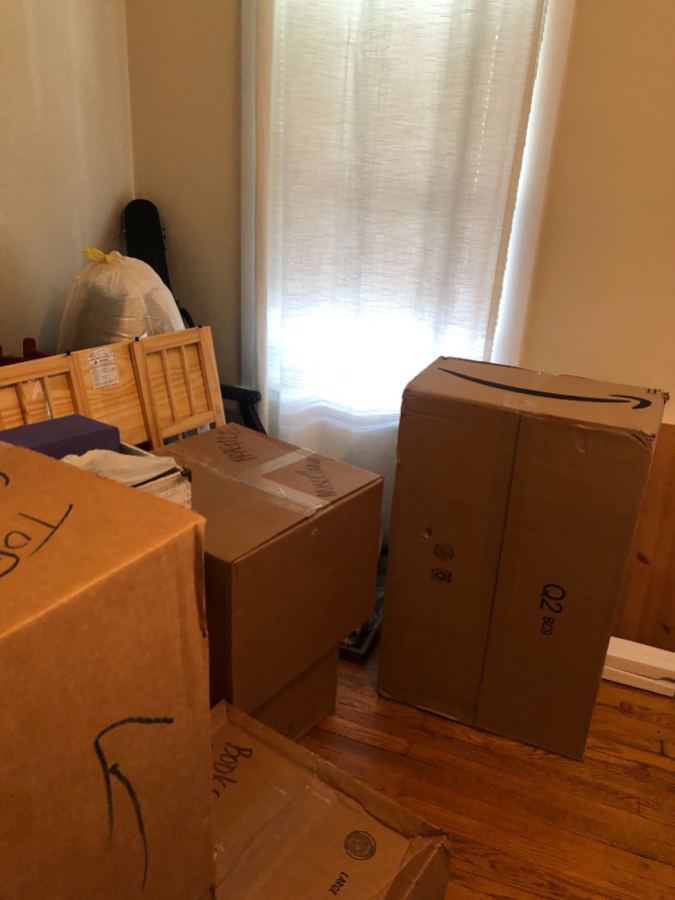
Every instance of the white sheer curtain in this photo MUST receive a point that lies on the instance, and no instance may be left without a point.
(382, 148)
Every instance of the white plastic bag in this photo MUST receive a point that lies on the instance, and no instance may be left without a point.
(115, 298)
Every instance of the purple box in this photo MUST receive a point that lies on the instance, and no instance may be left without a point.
(59, 437)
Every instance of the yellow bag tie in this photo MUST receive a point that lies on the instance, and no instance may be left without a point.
(99, 256)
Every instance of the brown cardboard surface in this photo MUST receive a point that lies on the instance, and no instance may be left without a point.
(292, 826)
(104, 729)
(574, 502)
(292, 540)
(511, 487)
(303, 703)
(538, 393)
(445, 542)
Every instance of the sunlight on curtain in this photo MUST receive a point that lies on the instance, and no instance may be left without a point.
(393, 133)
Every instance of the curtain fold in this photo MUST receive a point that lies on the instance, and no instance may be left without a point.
(382, 142)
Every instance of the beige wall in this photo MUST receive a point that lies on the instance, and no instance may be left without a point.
(65, 152)
(184, 62)
(603, 296)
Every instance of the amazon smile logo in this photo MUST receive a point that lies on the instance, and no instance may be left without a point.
(636, 402)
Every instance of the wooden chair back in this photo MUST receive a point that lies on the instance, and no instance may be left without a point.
(178, 381)
(110, 391)
(39, 389)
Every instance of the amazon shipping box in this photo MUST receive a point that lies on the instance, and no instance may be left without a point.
(104, 730)
(515, 503)
(292, 541)
(291, 826)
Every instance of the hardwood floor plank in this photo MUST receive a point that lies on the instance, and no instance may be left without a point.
(480, 859)
(610, 781)
(524, 822)
(560, 804)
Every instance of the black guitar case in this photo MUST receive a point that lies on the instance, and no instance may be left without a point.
(143, 237)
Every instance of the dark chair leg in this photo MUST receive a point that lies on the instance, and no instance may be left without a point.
(247, 398)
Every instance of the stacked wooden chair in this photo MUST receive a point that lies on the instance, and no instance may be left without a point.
(152, 389)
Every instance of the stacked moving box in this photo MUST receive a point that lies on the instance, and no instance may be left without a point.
(292, 539)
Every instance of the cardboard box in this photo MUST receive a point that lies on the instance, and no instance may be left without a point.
(292, 826)
(515, 503)
(291, 556)
(105, 731)
(302, 704)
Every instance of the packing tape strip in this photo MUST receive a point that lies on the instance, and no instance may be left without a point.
(254, 477)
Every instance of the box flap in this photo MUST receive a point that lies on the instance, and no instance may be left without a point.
(292, 826)
(623, 407)
(62, 529)
(290, 484)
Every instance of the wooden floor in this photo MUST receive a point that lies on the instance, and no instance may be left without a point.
(523, 822)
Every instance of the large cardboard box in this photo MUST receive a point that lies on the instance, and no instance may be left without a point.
(292, 541)
(104, 731)
(515, 503)
(303, 703)
(292, 826)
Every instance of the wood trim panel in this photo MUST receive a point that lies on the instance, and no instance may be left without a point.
(647, 614)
